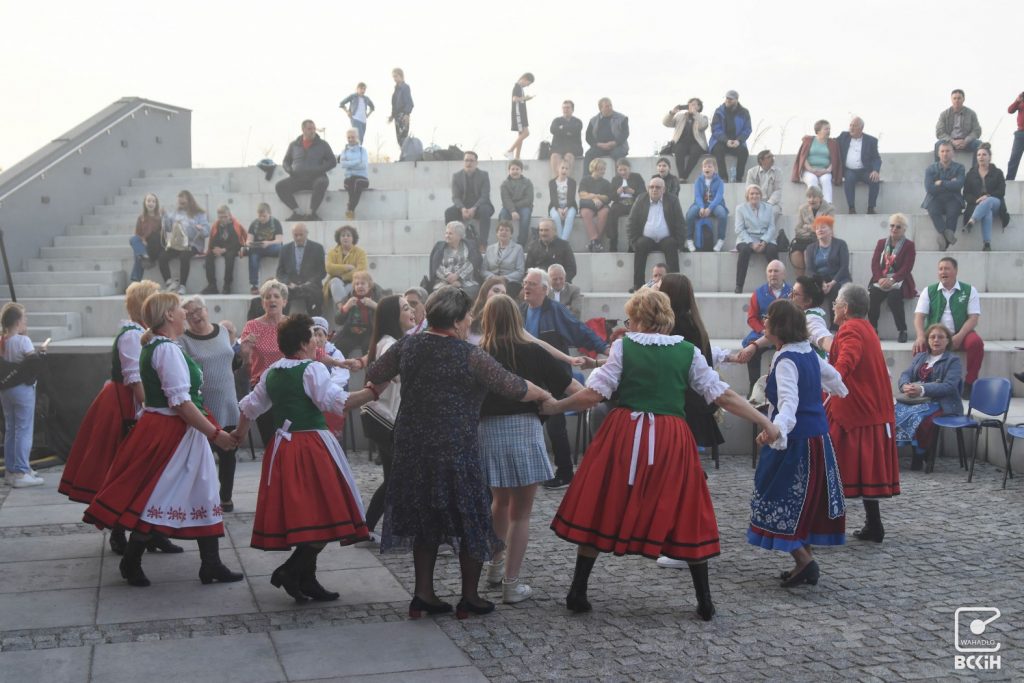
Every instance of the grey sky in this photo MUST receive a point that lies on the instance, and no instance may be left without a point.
(250, 76)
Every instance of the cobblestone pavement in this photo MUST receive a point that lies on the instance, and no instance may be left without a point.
(880, 612)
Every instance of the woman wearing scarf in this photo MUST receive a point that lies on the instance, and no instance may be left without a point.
(891, 279)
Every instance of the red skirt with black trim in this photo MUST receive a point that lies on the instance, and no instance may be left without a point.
(102, 430)
(303, 497)
(137, 470)
(667, 511)
(868, 460)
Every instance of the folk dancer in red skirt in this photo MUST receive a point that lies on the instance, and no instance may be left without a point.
(863, 425)
(308, 496)
(641, 489)
(164, 479)
(112, 412)
(798, 495)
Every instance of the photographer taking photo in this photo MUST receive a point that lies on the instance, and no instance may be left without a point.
(689, 140)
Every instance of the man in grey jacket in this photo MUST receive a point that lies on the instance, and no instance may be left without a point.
(306, 162)
(959, 126)
(607, 134)
(471, 198)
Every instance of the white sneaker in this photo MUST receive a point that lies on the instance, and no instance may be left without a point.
(510, 155)
(669, 563)
(496, 572)
(513, 591)
(690, 246)
(170, 285)
(22, 480)
(718, 245)
(181, 290)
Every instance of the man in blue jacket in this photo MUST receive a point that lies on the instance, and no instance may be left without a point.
(943, 184)
(552, 322)
(730, 128)
(861, 163)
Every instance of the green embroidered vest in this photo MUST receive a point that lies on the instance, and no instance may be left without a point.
(116, 374)
(655, 378)
(290, 402)
(821, 314)
(957, 305)
(154, 392)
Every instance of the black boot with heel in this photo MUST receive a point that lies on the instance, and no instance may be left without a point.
(699, 574)
(873, 529)
(576, 600)
(212, 569)
(131, 562)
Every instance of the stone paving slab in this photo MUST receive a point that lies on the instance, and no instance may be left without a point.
(35, 515)
(262, 563)
(66, 664)
(357, 587)
(22, 577)
(31, 548)
(462, 674)
(122, 603)
(45, 609)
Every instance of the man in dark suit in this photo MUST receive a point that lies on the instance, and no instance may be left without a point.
(471, 197)
(301, 266)
(861, 163)
(656, 223)
(568, 295)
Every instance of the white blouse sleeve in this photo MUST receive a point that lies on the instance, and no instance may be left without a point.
(339, 376)
(831, 380)
(129, 346)
(257, 401)
(718, 356)
(817, 328)
(327, 395)
(704, 380)
(787, 379)
(170, 366)
(605, 379)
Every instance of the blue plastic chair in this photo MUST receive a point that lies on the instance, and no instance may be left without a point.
(989, 396)
(1015, 432)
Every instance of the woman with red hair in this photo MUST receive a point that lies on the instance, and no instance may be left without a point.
(828, 257)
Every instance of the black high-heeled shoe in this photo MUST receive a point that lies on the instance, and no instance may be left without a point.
(576, 601)
(312, 588)
(809, 574)
(208, 573)
(162, 544)
(418, 606)
(118, 541)
(131, 565)
(869, 533)
(465, 608)
(284, 578)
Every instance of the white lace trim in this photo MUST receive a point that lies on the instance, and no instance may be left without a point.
(158, 337)
(654, 339)
(133, 325)
(289, 362)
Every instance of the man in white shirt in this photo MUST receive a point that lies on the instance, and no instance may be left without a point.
(861, 163)
(656, 223)
(956, 305)
(568, 295)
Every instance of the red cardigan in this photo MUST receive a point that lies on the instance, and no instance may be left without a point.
(904, 263)
(833, 156)
(857, 354)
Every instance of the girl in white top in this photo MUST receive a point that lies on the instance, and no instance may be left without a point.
(18, 400)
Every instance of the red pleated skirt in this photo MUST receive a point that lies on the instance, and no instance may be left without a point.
(868, 460)
(135, 472)
(303, 497)
(99, 435)
(667, 511)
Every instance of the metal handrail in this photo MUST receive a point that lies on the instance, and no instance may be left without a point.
(76, 148)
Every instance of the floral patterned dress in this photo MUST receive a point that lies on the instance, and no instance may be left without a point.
(437, 492)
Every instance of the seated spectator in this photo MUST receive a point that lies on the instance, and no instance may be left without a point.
(549, 249)
(985, 195)
(569, 295)
(658, 271)
(818, 163)
(343, 261)
(708, 201)
(416, 297)
(358, 107)
(355, 316)
(860, 163)
(607, 134)
(227, 239)
(689, 140)
(184, 233)
(301, 268)
(520, 122)
(943, 183)
(626, 187)
(471, 198)
(730, 128)
(755, 233)
(828, 257)
(774, 288)
(769, 178)
(891, 277)
(505, 259)
(146, 243)
(455, 260)
(306, 162)
(265, 239)
(934, 374)
(562, 206)
(656, 223)
(566, 138)
(957, 306)
(595, 195)
(1017, 107)
(958, 126)
(517, 200)
(356, 164)
(803, 233)
(664, 171)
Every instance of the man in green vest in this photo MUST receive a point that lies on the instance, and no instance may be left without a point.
(956, 305)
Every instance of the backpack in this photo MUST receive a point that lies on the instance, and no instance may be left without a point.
(177, 239)
(454, 153)
(544, 151)
(433, 153)
(412, 150)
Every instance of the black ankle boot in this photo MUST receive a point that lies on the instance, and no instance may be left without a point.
(131, 564)
(287, 576)
(307, 578)
(118, 542)
(212, 569)
(699, 574)
(162, 544)
(576, 600)
(873, 529)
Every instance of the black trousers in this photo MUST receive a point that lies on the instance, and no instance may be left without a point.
(483, 219)
(184, 259)
(721, 151)
(611, 227)
(226, 462)
(384, 439)
(754, 366)
(230, 256)
(745, 250)
(643, 247)
(355, 186)
(894, 298)
(688, 153)
(559, 436)
(316, 182)
(311, 293)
